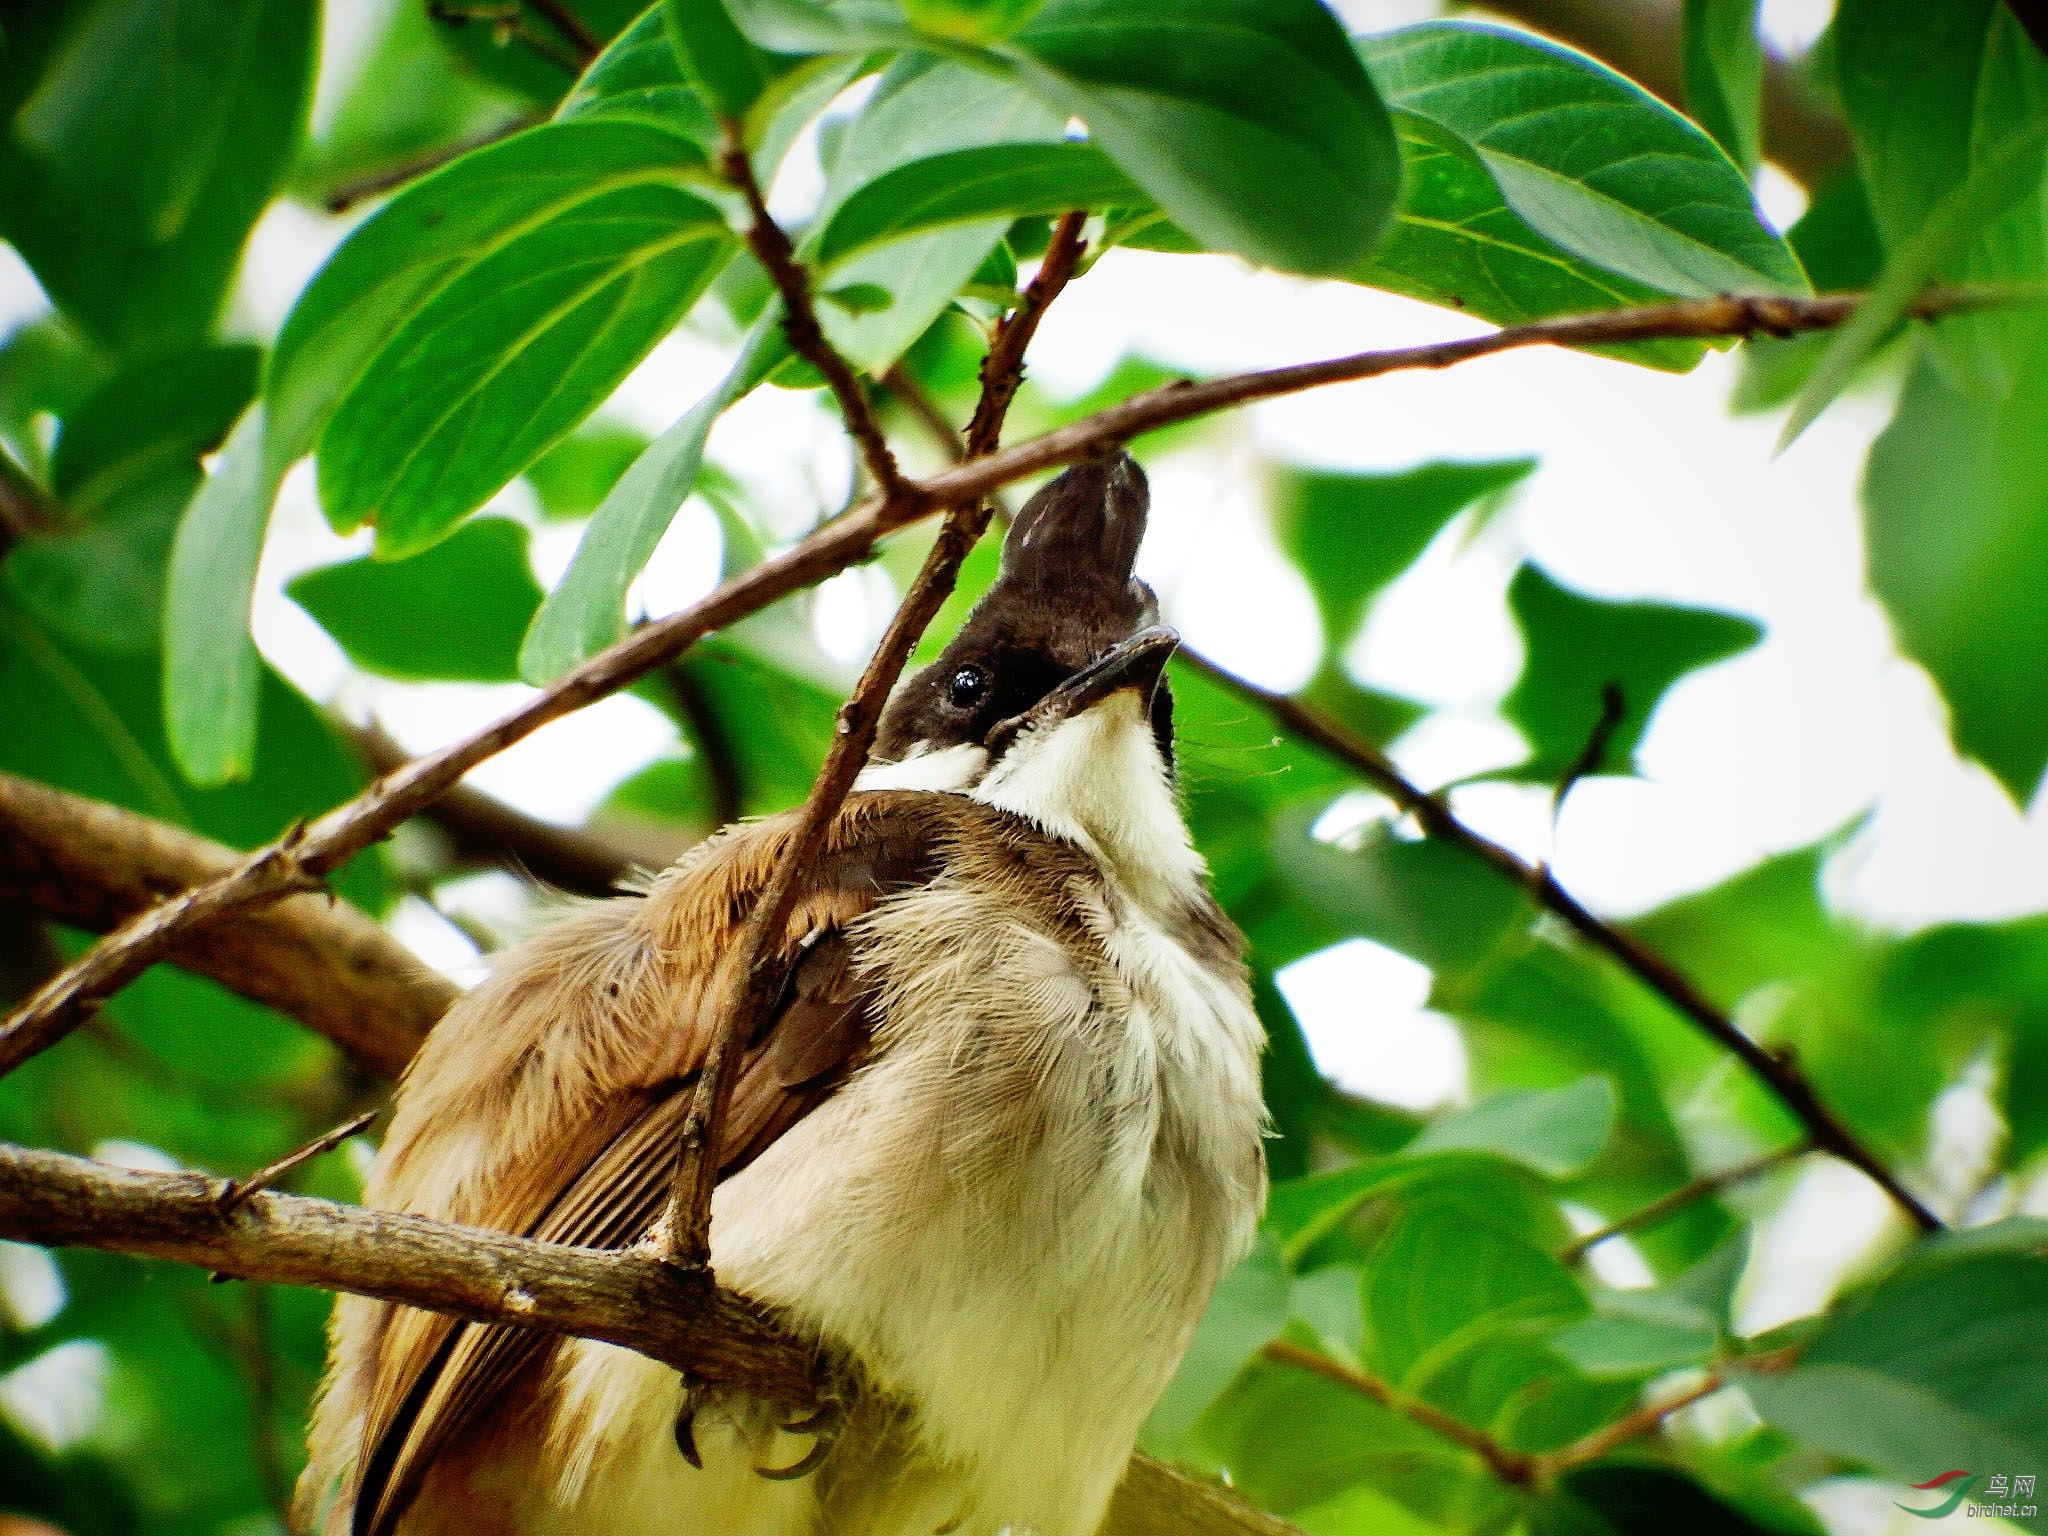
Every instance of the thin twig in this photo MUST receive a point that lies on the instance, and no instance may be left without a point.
(1613, 707)
(756, 973)
(772, 248)
(508, 25)
(571, 26)
(1774, 1069)
(269, 872)
(1549, 1465)
(1509, 1465)
(26, 510)
(1701, 1188)
(390, 178)
(236, 1193)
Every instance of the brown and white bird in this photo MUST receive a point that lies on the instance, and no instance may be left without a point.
(994, 1147)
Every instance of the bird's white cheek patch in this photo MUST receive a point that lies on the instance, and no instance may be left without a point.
(951, 769)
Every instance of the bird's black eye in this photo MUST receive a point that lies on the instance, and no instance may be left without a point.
(969, 687)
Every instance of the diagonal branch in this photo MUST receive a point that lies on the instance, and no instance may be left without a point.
(772, 249)
(92, 865)
(268, 873)
(755, 977)
(1777, 1072)
(1669, 1205)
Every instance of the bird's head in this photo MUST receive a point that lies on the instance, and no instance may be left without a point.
(1052, 701)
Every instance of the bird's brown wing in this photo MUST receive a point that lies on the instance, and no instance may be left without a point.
(438, 1376)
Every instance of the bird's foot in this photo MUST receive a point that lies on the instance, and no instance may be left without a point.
(825, 1425)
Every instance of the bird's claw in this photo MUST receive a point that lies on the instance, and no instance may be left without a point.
(686, 1433)
(825, 1424)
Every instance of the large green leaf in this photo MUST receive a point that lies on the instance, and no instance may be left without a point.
(1938, 1367)
(516, 350)
(1584, 654)
(1250, 122)
(1956, 520)
(1590, 161)
(1557, 1132)
(456, 611)
(143, 139)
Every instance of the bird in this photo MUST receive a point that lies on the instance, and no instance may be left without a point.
(990, 1152)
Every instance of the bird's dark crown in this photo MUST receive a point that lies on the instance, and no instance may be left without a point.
(1064, 598)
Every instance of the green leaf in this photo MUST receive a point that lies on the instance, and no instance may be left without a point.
(518, 348)
(457, 611)
(1592, 162)
(1633, 1334)
(125, 465)
(922, 109)
(972, 186)
(144, 138)
(1836, 241)
(1724, 75)
(1557, 1132)
(1250, 122)
(1939, 1366)
(211, 671)
(1580, 647)
(969, 21)
(575, 475)
(1249, 1308)
(1456, 242)
(1946, 105)
(587, 609)
(1956, 522)
(639, 75)
(1636, 1500)
(715, 57)
(2009, 179)
(1440, 1277)
(515, 195)
(1350, 535)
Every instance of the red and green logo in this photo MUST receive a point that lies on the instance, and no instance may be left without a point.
(1964, 1482)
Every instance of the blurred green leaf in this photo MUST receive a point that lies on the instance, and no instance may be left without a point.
(130, 186)
(1724, 75)
(574, 477)
(1593, 163)
(1350, 535)
(1956, 521)
(716, 57)
(1249, 1308)
(1634, 1500)
(1946, 105)
(969, 21)
(1556, 1132)
(1250, 122)
(537, 75)
(212, 674)
(457, 611)
(1938, 1366)
(1836, 241)
(1580, 648)
(1633, 1334)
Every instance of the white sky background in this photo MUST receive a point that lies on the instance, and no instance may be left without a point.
(1647, 488)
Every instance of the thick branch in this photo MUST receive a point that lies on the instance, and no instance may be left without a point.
(625, 1297)
(1777, 1072)
(270, 872)
(755, 978)
(93, 865)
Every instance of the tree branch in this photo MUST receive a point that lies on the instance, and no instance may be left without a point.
(92, 865)
(756, 975)
(287, 864)
(1776, 1071)
(771, 247)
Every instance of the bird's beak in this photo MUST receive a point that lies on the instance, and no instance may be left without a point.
(1136, 664)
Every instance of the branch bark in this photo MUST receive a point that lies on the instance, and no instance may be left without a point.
(92, 865)
(291, 862)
